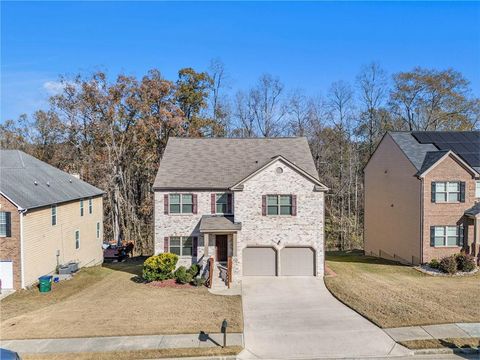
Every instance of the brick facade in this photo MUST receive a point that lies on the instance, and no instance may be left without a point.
(10, 246)
(446, 213)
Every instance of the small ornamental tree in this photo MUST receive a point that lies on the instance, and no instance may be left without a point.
(159, 267)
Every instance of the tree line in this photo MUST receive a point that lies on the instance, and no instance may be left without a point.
(113, 131)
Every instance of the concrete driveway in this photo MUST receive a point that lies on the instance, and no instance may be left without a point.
(297, 317)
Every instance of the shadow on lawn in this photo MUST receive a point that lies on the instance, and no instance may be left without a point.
(357, 256)
(131, 265)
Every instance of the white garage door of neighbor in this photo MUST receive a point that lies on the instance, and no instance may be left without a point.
(259, 261)
(297, 261)
(6, 274)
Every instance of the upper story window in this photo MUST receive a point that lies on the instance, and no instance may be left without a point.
(280, 205)
(77, 239)
(181, 204)
(448, 191)
(5, 224)
(221, 203)
(54, 215)
(477, 189)
(90, 206)
(442, 236)
(81, 207)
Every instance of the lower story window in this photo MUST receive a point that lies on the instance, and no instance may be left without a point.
(77, 239)
(447, 236)
(181, 245)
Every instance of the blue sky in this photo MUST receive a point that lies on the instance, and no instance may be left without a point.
(308, 45)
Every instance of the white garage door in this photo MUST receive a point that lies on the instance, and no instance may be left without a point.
(6, 274)
(259, 261)
(297, 261)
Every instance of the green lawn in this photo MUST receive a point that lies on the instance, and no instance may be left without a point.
(393, 295)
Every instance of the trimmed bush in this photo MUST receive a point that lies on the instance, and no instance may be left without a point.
(434, 264)
(448, 264)
(199, 281)
(182, 276)
(465, 262)
(194, 270)
(159, 267)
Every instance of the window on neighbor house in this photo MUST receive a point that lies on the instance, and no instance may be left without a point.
(181, 245)
(181, 203)
(81, 207)
(447, 236)
(90, 206)
(279, 205)
(98, 230)
(477, 189)
(221, 203)
(5, 226)
(77, 239)
(447, 191)
(54, 215)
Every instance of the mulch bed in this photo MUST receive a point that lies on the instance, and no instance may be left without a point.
(329, 272)
(170, 283)
(426, 269)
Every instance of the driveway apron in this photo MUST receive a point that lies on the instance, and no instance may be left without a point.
(297, 317)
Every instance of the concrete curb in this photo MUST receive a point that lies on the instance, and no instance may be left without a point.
(446, 351)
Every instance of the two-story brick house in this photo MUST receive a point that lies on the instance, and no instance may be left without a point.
(47, 218)
(258, 201)
(422, 194)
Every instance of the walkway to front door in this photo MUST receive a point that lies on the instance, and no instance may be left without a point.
(297, 317)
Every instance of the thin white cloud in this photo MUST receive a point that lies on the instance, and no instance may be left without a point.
(53, 87)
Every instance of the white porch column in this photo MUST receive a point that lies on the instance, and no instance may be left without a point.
(205, 243)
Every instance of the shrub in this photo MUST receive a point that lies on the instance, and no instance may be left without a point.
(159, 267)
(194, 270)
(198, 281)
(448, 264)
(182, 276)
(465, 262)
(434, 264)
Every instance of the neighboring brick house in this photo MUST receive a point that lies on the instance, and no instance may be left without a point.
(47, 218)
(258, 201)
(422, 196)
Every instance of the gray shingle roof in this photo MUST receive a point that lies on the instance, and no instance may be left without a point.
(20, 171)
(220, 163)
(414, 151)
(219, 223)
(474, 210)
(431, 158)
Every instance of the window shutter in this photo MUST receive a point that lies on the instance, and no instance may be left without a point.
(8, 217)
(212, 203)
(165, 244)
(229, 203)
(461, 235)
(194, 203)
(462, 191)
(294, 205)
(264, 205)
(433, 191)
(195, 245)
(432, 235)
(165, 204)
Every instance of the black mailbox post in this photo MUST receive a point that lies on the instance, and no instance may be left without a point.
(224, 331)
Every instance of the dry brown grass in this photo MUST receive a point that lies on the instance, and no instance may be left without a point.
(392, 295)
(456, 343)
(116, 305)
(138, 354)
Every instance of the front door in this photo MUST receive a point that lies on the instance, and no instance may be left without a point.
(221, 243)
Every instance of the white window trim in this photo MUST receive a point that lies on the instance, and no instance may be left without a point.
(445, 236)
(90, 206)
(181, 204)
(477, 189)
(181, 245)
(82, 211)
(231, 205)
(98, 229)
(447, 192)
(278, 205)
(79, 239)
(54, 206)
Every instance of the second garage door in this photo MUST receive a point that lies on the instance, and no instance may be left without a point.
(259, 261)
(297, 261)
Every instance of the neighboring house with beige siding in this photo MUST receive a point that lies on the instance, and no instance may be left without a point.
(422, 196)
(47, 218)
(257, 202)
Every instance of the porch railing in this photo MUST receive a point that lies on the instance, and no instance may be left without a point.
(211, 265)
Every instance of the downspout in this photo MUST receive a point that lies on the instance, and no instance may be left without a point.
(22, 259)
(421, 217)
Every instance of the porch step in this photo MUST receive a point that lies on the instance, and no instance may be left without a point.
(217, 281)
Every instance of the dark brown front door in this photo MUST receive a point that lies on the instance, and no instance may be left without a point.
(221, 243)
